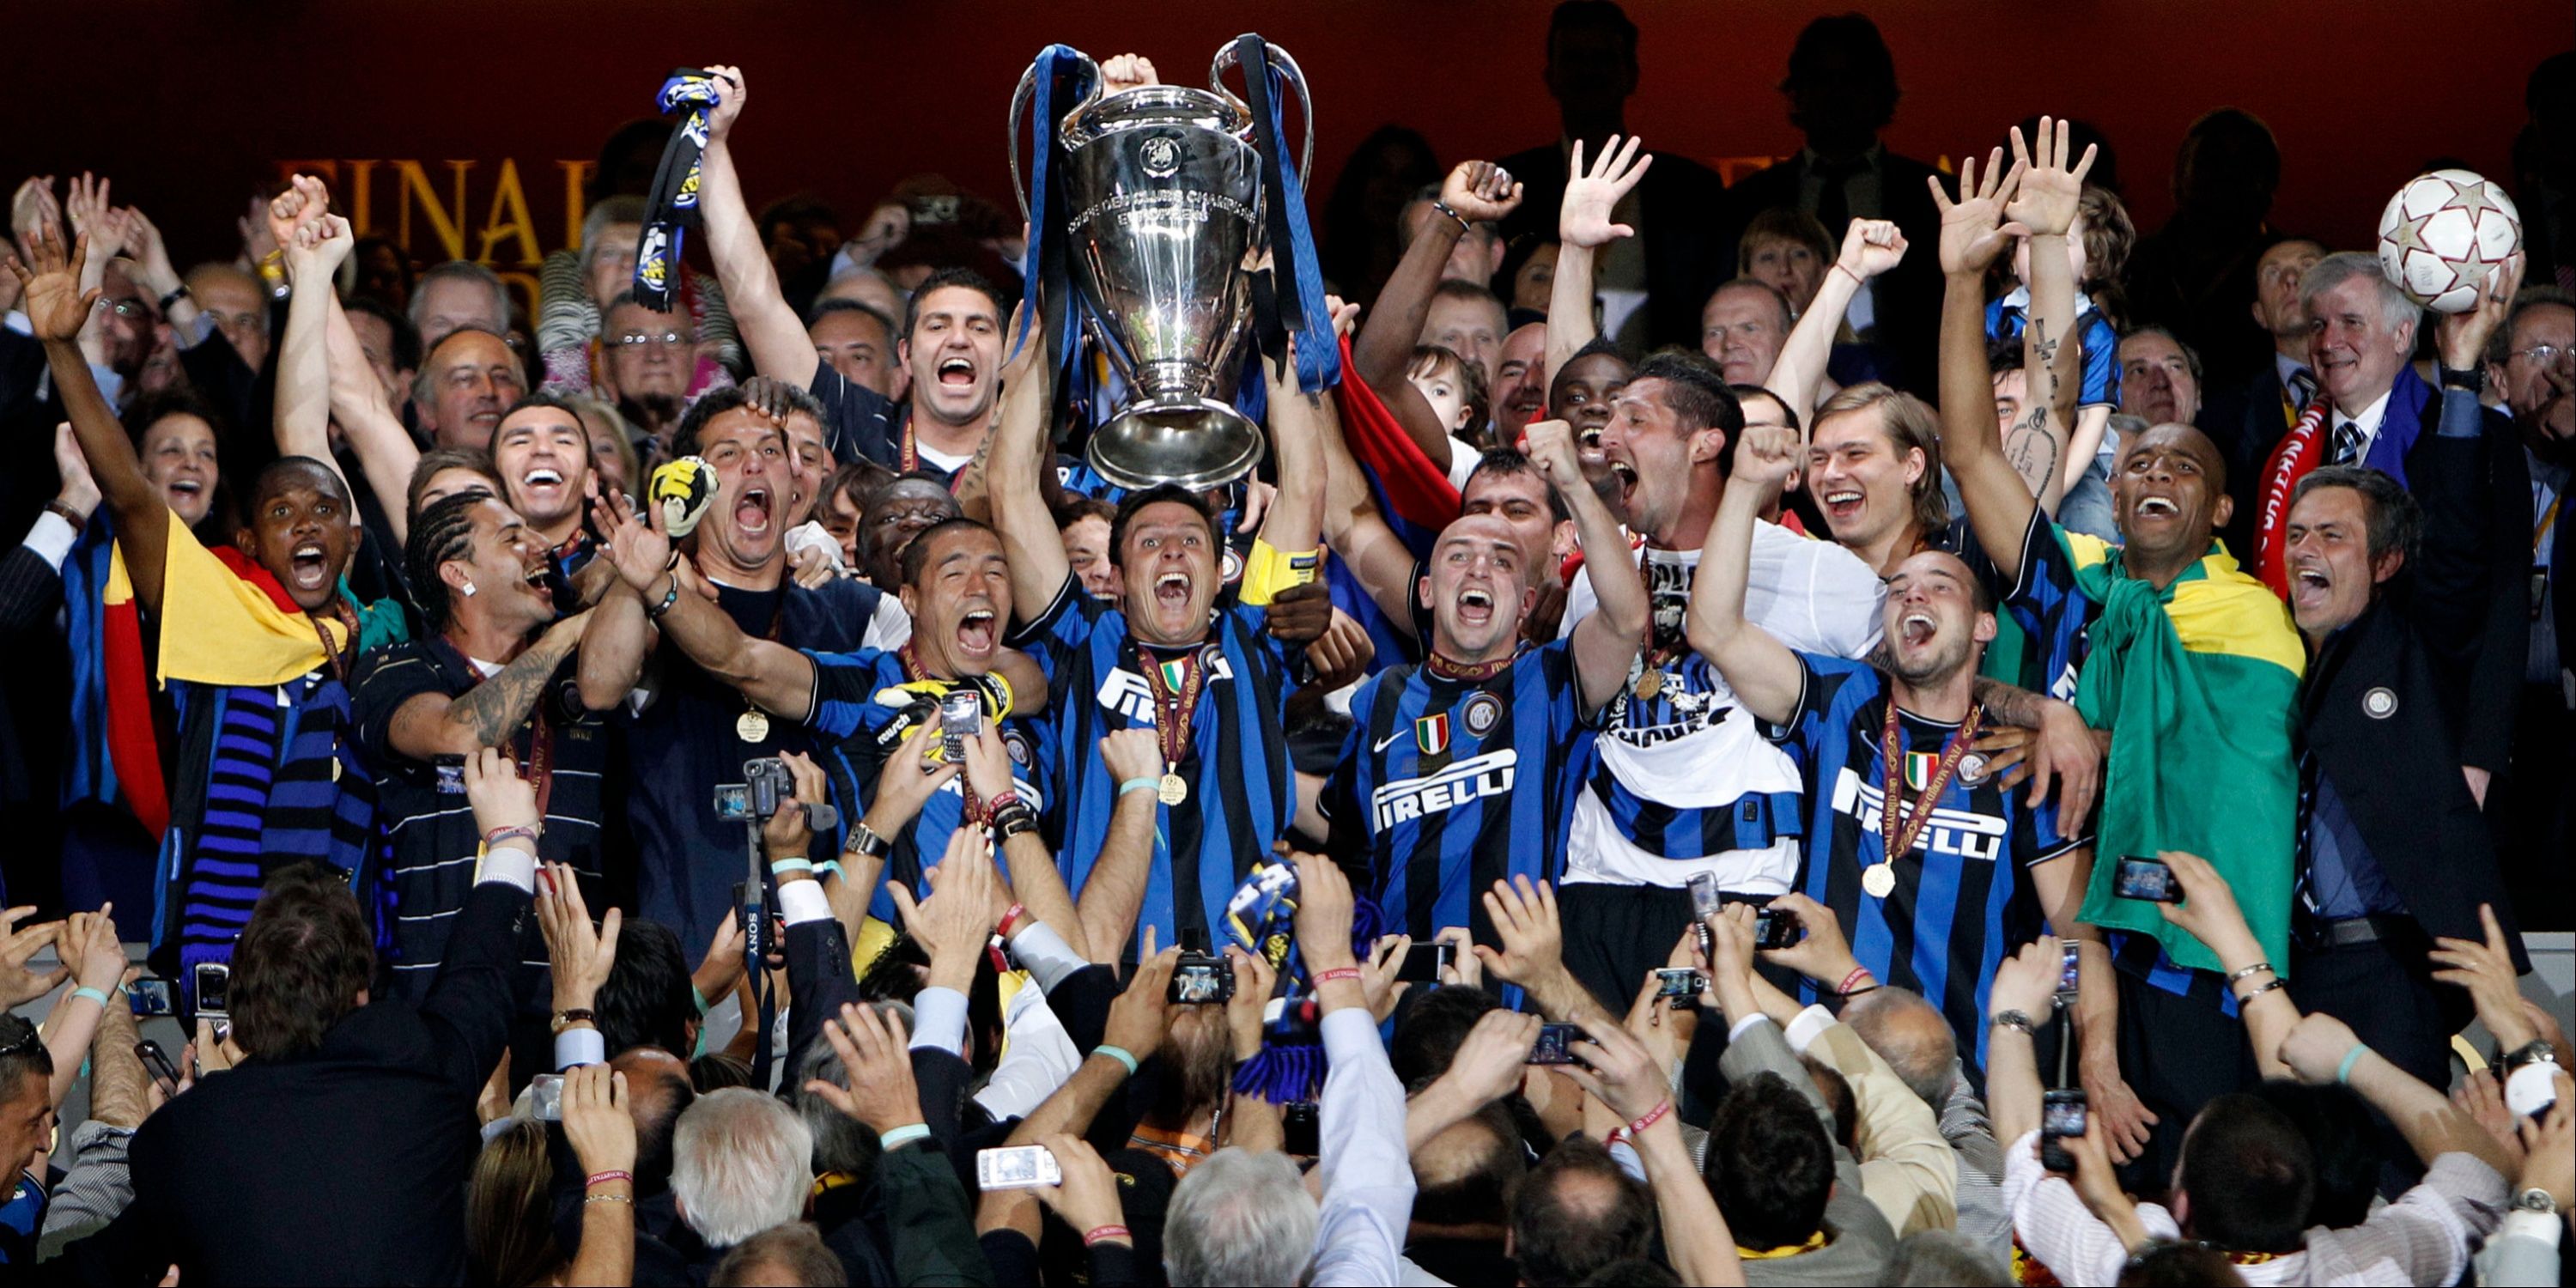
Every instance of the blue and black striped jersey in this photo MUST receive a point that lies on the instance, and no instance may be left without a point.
(1447, 786)
(1242, 784)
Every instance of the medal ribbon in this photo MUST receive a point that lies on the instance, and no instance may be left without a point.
(1176, 683)
(1899, 836)
(1446, 668)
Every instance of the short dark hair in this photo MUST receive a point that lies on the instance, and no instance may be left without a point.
(442, 532)
(947, 277)
(646, 999)
(2250, 1175)
(2003, 354)
(2396, 518)
(448, 458)
(1472, 393)
(1428, 1032)
(794, 1248)
(2337, 1123)
(1481, 1193)
(841, 304)
(1837, 1091)
(1077, 507)
(1694, 388)
(1632, 1272)
(2164, 1263)
(1601, 15)
(406, 354)
(27, 1056)
(711, 404)
(916, 557)
(1457, 288)
(1871, 69)
(544, 398)
(161, 404)
(1508, 461)
(1557, 1241)
(300, 963)
(1135, 502)
(273, 475)
(2190, 355)
(1770, 1163)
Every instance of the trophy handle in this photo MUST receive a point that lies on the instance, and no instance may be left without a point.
(1019, 106)
(1225, 58)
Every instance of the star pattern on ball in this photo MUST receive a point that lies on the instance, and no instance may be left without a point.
(2469, 270)
(2475, 198)
(2409, 234)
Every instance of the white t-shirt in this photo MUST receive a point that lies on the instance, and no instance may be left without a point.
(1689, 746)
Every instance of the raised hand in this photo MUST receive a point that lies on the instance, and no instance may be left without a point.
(2044, 204)
(1140, 1014)
(1524, 917)
(2463, 336)
(596, 1120)
(1377, 975)
(2486, 971)
(2027, 980)
(790, 831)
(1494, 1055)
(1480, 191)
(2317, 1047)
(1464, 967)
(108, 228)
(1871, 247)
(95, 950)
(1972, 229)
(1592, 192)
(79, 490)
(1127, 71)
(1550, 446)
(55, 305)
(876, 1065)
(500, 797)
(731, 94)
(908, 781)
(1253, 980)
(17, 983)
(2208, 909)
(1324, 906)
(32, 207)
(1767, 457)
(639, 548)
(581, 954)
(1823, 954)
(1618, 1069)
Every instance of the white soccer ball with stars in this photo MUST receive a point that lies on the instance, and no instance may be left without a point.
(2444, 234)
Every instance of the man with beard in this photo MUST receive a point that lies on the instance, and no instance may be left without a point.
(254, 640)
(955, 588)
(1180, 653)
(2192, 666)
(951, 343)
(1459, 773)
(2532, 363)
(498, 669)
(1686, 782)
(691, 730)
(1966, 863)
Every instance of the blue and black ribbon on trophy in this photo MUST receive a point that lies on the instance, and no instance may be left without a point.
(671, 208)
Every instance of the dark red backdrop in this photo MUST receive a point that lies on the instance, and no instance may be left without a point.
(185, 105)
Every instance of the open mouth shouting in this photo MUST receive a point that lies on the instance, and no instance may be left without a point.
(978, 632)
(754, 510)
(307, 568)
(2311, 584)
(1475, 606)
(543, 478)
(2155, 509)
(957, 373)
(1916, 630)
(1172, 591)
(1626, 474)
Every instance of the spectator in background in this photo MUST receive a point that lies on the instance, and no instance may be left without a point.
(1362, 234)
(2531, 364)
(2247, 418)
(741, 1164)
(1841, 89)
(2159, 377)
(1478, 252)
(2194, 273)
(468, 377)
(458, 293)
(577, 287)
(1652, 284)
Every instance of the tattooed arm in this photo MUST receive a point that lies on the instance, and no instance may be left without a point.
(2051, 188)
(433, 724)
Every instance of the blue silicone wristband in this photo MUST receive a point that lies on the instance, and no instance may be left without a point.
(791, 865)
(1119, 1054)
(93, 995)
(902, 1136)
(2343, 1072)
(1140, 785)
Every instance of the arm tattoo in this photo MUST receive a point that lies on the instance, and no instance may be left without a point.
(494, 709)
(2007, 705)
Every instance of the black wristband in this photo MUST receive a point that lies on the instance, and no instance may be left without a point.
(178, 293)
(2474, 379)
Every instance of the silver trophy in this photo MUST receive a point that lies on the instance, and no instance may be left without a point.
(1163, 218)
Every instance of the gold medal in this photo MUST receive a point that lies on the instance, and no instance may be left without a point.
(1650, 682)
(1879, 879)
(752, 725)
(1174, 789)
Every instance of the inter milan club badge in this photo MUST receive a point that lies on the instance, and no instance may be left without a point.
(1972, 769)
(1483, 712)
(2379, 703)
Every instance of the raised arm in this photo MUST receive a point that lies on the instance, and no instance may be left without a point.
(386, 452)
(1295, 522)
(1605, 644)
(1870, 247)
(777, 341)
(1762, 670)
(617, 642)
(1017, 476)
(1353, 527)
(2208, 911)
(1115, 890)
(315, 242)
(56, 309)
(778, 677)
(2044, 204)
(1583, 227)
(1999, 502)
(2321, 1049)
(433, 724)
(1473, 191)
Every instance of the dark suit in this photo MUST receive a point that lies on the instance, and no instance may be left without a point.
(1687, 253)
(1907, 298)
(2382, 711)
(2246, 423)
(343, 1165)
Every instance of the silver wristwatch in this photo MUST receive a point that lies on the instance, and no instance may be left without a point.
(2537, 1200)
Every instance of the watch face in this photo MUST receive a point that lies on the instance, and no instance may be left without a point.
(2535, 1200)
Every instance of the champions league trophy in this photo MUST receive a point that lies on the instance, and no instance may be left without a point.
(1160, 196)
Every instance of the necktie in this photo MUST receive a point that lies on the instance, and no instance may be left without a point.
(2303, 386)
(1833, 204)
(2347, 443)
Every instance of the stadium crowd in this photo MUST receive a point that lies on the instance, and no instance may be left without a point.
(1862, 726)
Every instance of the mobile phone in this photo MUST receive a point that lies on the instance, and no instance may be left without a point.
(545, 1097)
(2061, 1114)
(157, 1064)
(961, 716)
(2532, 1089)
(1303, 1122)
(214, 990)
(1776, 928)
(1681, 984)
(1706, 901)
(149, 996)
(1018, 1167)
(1552, 1043)
(2066, 970)
(2149, 879)
(1423, 963)
(1201, 980)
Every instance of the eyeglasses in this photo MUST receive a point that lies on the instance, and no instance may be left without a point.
(666, 340)
(2545, 355)
(129, 309)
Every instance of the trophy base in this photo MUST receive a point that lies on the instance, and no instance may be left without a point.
(1197, 443)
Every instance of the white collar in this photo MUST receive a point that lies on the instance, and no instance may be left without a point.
(2370, 416)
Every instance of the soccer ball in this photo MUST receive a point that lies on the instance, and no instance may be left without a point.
(2443, 235)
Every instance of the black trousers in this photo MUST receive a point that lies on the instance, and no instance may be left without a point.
(2386, 992)
(1614, 934)
(2178, 1051)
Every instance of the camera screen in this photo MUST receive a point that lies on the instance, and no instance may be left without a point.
(2063, 1118)
(1199, 983)
(2143, 879)
(1550, 1047)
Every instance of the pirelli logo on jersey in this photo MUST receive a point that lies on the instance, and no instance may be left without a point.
(1965, 833)
(1128, 694)
(1474, 778)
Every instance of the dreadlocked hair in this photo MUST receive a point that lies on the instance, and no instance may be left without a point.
(444, 531)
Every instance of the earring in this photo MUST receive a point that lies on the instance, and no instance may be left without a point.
(469, 589)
